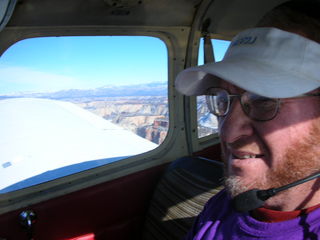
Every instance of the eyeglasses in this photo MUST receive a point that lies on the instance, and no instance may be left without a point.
(256, 107)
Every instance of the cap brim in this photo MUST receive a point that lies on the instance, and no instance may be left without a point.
(250, 75)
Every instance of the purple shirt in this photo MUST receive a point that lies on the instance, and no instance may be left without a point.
(219, 221)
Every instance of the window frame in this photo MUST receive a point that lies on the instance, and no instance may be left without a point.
(200, 143)
(173, 146)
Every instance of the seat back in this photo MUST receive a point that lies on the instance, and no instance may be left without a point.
(186, 186)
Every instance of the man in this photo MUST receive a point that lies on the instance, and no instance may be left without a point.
(265, 94)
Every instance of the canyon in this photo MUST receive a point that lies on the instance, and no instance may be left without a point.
(146, 116)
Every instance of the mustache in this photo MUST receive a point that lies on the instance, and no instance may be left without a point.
(240, 143)
(245, 144)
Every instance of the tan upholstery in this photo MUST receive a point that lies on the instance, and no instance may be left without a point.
(180, 196)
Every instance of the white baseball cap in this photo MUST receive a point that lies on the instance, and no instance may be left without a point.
(266, 61)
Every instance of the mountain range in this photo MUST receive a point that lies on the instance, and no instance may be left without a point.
(148, 89)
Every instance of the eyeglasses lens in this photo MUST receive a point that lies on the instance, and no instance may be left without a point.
(258, 107)
(218, 101)
(255, 106)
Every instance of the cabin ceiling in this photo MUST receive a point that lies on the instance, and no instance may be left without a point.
(227, 16)
(104, 12)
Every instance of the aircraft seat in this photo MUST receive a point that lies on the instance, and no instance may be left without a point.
(185, 187)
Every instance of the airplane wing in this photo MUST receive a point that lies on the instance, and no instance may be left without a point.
(39, 135)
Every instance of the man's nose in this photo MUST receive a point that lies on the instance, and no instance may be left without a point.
(236, 124)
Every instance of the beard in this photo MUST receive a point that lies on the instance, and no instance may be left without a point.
(299, 161)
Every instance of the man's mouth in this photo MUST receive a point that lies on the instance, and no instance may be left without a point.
(247, 156)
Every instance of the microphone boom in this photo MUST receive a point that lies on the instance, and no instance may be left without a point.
(255, 198)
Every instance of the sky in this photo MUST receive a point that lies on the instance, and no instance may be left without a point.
(219, 46)
(56, 63)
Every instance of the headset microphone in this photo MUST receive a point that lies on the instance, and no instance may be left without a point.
(255, 198)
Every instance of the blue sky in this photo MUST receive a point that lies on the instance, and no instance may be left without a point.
(219, 46)
(56, 63)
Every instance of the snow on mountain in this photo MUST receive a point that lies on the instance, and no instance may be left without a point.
(149, 89)
(208, 120)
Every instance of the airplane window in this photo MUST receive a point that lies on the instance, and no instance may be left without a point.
(68, 104)
(207, 123)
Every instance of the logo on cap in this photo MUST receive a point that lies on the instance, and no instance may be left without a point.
(244, 40)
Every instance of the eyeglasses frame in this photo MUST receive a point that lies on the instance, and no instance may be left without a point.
(279, 101)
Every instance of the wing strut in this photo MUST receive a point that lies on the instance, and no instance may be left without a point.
(208, 47)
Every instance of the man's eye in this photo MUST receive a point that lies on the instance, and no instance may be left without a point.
(264, 103)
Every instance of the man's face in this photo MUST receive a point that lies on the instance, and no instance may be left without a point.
(271, 153)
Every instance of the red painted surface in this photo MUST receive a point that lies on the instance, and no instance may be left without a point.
(112, 210)
(89, 236)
